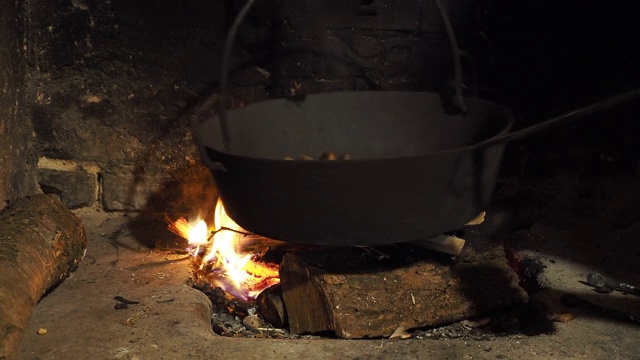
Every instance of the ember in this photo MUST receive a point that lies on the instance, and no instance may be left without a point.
(222, 258)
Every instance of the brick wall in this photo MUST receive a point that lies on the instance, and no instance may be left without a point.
(315, 46)
(110, 81)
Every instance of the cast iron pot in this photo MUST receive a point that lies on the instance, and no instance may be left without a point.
(414, 171)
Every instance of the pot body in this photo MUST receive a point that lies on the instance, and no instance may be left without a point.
(413, 171)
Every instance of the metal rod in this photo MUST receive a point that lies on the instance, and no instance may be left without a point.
(572, 301)
(224, 68)
(562, 119)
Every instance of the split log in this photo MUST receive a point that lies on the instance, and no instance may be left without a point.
(41, 242)
(359, 294)
(271, 307)
(448, 244)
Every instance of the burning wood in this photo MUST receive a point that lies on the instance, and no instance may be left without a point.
(271, 306)
(331, 289)
(220, 254)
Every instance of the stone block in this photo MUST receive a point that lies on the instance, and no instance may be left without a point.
(128, 191)
(399, 15)
(458, 11)
(251, 76)
(187, 191)
(296, 64)
(424, 61)
(401, 83)
(312, 86)
(76, 188)
(367, 46)
(250, 94)
(337, 57)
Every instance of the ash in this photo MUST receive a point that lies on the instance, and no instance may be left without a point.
(236, 318)
(516, 322)
(233, 317)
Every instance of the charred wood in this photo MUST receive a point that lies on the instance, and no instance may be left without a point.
(271, 306)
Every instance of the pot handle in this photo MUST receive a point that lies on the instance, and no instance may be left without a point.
(561, 119)
(224, 86)
(458, 82)
(205, 109)
(458, 98)
(213, 165)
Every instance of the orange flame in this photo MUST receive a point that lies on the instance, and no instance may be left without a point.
(241, 275)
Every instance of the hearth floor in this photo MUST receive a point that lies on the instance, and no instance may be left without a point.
(172, 319)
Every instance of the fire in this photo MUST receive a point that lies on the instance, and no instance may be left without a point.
(240, 274)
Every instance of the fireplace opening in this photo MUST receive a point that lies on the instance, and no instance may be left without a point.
(98, 111)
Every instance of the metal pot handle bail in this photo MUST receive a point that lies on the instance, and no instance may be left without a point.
(224, 85)
(458, 81)
(233, 31)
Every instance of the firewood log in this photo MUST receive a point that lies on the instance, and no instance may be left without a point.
(358, 294)
(41, 242)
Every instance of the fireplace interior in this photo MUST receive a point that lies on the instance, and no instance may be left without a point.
(97, 111)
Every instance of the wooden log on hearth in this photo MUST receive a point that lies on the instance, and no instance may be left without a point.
(41, 242)
(368, 294)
